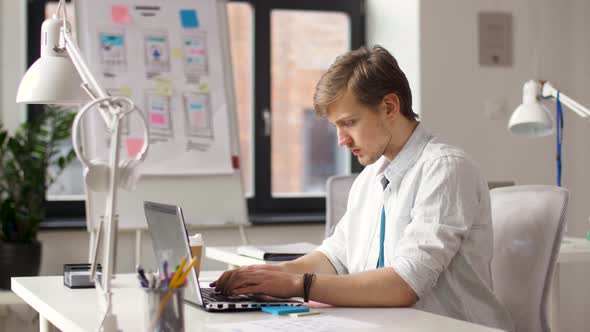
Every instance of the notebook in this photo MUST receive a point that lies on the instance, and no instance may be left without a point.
(282, 252)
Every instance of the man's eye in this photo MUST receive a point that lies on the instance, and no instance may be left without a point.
(348, 123)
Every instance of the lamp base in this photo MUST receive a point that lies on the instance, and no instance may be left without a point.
(109, 324)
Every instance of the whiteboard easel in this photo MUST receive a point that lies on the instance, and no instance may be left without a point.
(207, 199)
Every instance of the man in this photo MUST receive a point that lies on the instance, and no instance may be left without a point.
(417, 230)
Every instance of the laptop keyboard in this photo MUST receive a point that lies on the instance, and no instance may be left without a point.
(211, 295)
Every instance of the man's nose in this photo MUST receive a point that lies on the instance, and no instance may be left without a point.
(343, 138)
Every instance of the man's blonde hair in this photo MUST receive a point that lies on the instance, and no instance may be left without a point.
(370, 74)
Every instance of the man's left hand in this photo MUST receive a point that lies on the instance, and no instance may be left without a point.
(260, 281)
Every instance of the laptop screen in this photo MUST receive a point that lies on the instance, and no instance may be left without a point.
(170, 241)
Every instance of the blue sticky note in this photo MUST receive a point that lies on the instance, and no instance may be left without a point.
(283, 310)
(188, 18)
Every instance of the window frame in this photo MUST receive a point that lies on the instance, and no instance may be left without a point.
(262, 206)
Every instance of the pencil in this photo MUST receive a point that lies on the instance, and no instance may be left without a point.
(180, 281)
(178, 271)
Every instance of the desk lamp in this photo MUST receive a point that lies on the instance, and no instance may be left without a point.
(60, 76)
(532, 119)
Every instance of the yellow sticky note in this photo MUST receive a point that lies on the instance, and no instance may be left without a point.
(177, 53)
(303, 314)
(203, 87)
(164, 87)
(125, 91)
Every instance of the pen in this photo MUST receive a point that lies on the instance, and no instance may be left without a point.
(153, 281)
(166, 277)
(142, 277)
(141, 281)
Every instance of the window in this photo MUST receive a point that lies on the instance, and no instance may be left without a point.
(279, 51)
(295, 42)
(303, 45)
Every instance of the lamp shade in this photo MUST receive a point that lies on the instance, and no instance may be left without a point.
(53, 78)
(531, 118)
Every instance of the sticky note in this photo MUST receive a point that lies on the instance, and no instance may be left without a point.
(314, 304)
(125, 91)
(303, 314)
(164, 87)
(283, 310)
(159, 119)
(203, 87)
(188, 18)
(120, 14)
(199, 119)
(134, 146)
(177, 53)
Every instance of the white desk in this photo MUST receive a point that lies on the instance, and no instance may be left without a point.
(573, 250)
(76, 309)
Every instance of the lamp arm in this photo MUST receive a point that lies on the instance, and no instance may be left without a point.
(81, 66)
(90, 83)
(551, 92)
(111, 115)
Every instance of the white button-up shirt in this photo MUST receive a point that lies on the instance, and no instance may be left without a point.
(438, 233)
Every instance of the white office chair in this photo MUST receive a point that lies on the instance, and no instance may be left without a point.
(528, 224)
(337, 189)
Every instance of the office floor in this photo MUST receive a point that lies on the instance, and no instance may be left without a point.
(18, 317)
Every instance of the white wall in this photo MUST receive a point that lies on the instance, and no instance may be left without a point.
(13, 59)
(395, 25)
(454, 88)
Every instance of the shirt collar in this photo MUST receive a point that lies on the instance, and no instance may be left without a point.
(396, 169)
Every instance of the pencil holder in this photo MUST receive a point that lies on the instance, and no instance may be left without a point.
(164, 309)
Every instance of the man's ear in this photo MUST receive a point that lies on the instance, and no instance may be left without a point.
(392, 105)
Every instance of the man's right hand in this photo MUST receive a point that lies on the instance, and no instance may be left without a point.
(229, 273)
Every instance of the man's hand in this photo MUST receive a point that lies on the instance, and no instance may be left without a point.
(260, 279)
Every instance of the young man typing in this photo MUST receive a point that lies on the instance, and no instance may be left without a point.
(417, 230)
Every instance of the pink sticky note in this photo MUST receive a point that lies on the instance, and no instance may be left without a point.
(316, 305)
(120, 14)
(199, 119)
(134, 145)
(159, 119)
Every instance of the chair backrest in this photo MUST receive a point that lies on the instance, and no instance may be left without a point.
(528, 224)
(337, 189)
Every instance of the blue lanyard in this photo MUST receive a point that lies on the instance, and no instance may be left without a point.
(381, 260)
(558, 136)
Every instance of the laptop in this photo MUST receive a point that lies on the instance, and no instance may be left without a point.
(170, 242)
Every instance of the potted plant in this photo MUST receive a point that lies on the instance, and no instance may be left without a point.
(30, 161)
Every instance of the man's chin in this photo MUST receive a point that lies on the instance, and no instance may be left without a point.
(366, 160)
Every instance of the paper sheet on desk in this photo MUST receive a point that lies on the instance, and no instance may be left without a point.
(283, 324)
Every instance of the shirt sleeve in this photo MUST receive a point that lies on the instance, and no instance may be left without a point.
(444, 209)
(334, 247)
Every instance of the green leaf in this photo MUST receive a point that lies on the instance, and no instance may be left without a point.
(25, 161)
